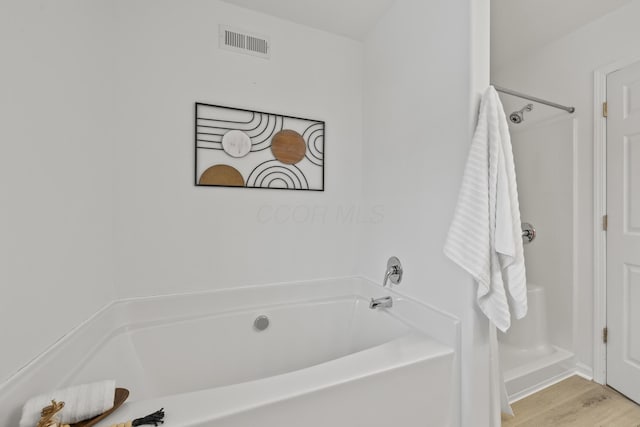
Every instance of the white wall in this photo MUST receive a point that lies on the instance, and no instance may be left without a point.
(174, 237)
(563, 71)
(55, 171)
(420, 100)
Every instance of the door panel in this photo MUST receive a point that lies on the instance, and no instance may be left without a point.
(632, 181)
(632, 317)
(623, 234)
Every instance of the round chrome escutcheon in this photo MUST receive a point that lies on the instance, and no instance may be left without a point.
(261, 323)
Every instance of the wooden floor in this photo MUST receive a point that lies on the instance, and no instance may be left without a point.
(575, 402)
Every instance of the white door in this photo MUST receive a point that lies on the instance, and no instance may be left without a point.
(623, 234)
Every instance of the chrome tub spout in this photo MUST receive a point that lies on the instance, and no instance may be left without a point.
(383, 302)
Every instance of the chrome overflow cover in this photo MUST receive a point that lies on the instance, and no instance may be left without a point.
(261, 323)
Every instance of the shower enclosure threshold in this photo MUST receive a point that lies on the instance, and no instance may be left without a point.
(532, 375)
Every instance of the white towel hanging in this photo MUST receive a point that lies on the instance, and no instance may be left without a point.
(485, 237)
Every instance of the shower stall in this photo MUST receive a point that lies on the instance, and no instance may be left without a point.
(538, 349)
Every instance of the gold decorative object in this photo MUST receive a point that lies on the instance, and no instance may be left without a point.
(288, 146)
(48, 415)
(223, 175)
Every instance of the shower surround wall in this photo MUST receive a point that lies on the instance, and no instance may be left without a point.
(544, 155)
(392, 194)
(563, 71)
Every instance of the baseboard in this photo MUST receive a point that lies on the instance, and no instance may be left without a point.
(580, 370)
(541, 386)
(584, 371)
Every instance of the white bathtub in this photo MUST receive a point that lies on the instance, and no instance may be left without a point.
(326, 359)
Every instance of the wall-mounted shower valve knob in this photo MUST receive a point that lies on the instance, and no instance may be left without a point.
(394, 271)
(528, 232)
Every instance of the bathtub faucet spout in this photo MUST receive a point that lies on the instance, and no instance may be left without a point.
(384, 302)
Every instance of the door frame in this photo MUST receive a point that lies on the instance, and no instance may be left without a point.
(599, 210)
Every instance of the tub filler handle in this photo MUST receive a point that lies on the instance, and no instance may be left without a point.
(394, 271)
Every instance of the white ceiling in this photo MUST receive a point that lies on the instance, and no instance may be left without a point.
(519, 26)
(351, 18)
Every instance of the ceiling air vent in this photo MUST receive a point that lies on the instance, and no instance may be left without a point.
(244, 42)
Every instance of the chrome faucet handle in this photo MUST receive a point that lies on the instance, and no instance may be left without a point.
(528, 232)
(394, 271)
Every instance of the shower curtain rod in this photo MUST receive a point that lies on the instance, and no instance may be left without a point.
(534, 99)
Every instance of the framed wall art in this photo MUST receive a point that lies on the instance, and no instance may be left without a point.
(253, 149)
